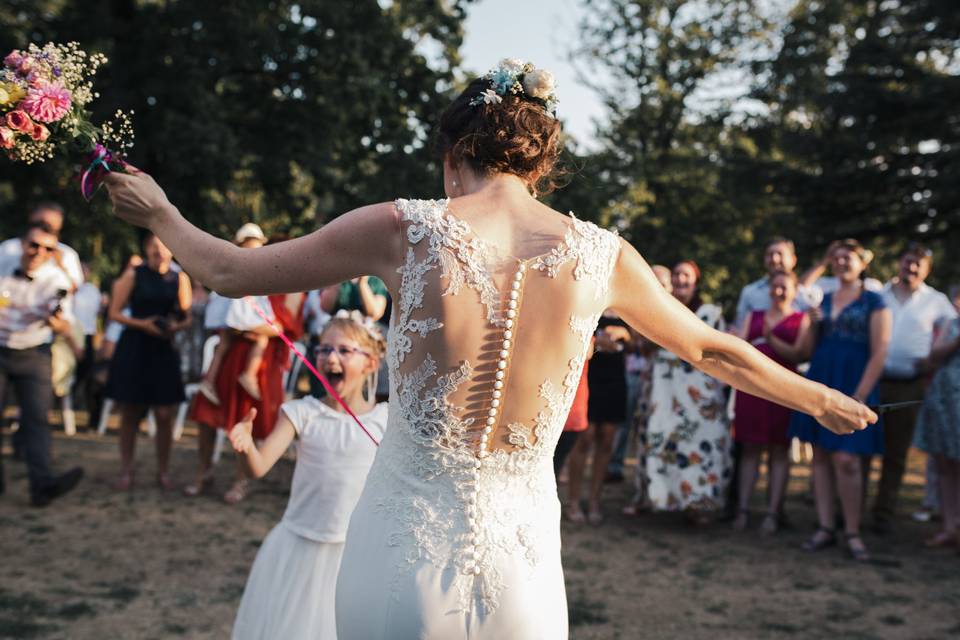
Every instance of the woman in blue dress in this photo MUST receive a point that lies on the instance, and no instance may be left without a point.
(852, 335)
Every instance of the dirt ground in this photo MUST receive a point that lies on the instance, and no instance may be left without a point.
(98, 564)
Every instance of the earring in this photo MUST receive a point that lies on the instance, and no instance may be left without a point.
(453, 183)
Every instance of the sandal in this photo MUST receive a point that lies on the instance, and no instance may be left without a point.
(575, 515)
(742, 521)
(165, 483)
(238, 492)
(195, 489)
(124, 482)
(770, 524)
(595, 517)
(942, 539)
(860, 554)
(821, 539)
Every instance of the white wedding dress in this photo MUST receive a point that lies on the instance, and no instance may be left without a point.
(457, 532)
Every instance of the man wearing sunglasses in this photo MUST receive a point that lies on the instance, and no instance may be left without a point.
(31, 313)
(62, 264)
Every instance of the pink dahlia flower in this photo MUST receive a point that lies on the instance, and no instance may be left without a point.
(6, 138)
(47, 103)
(19, 121)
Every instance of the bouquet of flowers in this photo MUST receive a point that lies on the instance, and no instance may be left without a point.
(44, 92)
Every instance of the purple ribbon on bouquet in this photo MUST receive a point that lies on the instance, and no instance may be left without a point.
(97, 169)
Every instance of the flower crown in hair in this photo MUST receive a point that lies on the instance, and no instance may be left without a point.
(522, 79)
(364, 321)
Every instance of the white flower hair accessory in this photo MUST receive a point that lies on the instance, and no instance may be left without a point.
(364, 321)
(513, 76)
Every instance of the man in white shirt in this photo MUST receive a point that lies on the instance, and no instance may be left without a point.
(31, 313)
(63, 264)
(780, 255)
(917, 309)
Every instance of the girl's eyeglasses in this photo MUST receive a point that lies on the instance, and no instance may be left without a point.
(343, 351)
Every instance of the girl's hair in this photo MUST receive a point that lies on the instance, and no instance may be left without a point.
(371, 340)
(515, 136)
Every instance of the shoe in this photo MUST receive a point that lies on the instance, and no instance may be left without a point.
(195, 489)
(238, 492)
(62, 484)
(923, 515)
(207, 391)
(860, 554)
(249, 384)
(124, 482)
(770, 524)
(575, 514)
(742, 521)
(595, 517)
(821, 539)
(165, 483)
(942, 539)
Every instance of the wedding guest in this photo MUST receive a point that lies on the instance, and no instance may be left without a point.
(282, 311)
(688, 436)
(606, 410)
(917, 309)
(759, 425)
(248, 236)
(938, 430)
(779, 256)
(577, 422)
(640, 415)
(291, 588)
(850, 348)
(145, 368)
(821, 284)
(64, 262)
(637, 368)
(31, 314)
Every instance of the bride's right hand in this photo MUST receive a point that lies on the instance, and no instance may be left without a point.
(136, 197)
(845, 415)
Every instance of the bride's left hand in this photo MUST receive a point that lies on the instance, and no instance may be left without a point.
(136, 197)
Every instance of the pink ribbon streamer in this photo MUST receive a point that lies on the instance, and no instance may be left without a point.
(326, 384)
(99, 167)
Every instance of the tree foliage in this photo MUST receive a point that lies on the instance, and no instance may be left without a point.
(283, 113)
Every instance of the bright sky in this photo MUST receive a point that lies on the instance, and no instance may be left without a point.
(543, 32)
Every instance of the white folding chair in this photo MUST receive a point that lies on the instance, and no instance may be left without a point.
(209, 347)
(67, 413)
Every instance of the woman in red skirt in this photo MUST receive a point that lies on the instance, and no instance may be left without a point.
(780, 333)
(235, 402)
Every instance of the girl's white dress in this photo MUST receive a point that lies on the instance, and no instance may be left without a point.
(290, 592)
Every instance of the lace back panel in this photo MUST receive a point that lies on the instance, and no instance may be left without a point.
(485, 355)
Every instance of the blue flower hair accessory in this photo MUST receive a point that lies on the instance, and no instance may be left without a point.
(512, 76)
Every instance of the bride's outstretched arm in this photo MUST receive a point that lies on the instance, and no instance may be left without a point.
(365, 241)
(643, 303)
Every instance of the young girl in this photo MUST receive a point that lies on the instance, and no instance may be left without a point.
(290, 592)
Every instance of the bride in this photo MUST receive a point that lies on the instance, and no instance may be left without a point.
(496, 296)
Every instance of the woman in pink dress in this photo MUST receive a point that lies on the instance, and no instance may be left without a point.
(780, 333)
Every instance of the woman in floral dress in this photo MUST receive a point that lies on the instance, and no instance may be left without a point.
(688, 436)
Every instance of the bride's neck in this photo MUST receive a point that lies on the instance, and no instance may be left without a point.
(497, 185)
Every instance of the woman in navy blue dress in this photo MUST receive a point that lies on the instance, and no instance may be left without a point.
(851, 343)
(145, 369)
